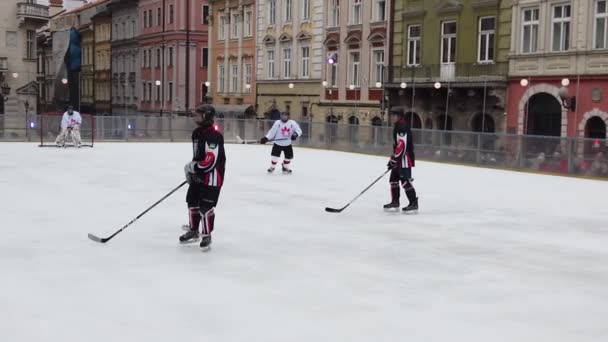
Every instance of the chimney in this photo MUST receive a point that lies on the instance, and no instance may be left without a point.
(55, 6)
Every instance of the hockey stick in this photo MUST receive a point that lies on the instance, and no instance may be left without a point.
(104, 240)
(250, 142)
(334, 210)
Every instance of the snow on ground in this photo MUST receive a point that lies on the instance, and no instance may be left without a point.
(492, 256)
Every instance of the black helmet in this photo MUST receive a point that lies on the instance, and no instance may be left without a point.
(398, 112)
(208, 113)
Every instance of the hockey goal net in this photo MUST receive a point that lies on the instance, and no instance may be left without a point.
(49, 125)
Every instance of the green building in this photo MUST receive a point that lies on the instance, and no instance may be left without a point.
(448, 62)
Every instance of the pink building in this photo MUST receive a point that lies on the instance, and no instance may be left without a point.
(173, 48)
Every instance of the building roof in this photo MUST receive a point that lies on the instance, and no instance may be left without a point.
(86, 6)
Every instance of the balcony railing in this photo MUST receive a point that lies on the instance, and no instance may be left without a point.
(36, 12)
(468, 72)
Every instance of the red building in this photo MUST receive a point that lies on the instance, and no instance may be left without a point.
(173, 49)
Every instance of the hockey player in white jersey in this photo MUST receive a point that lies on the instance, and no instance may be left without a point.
(283, 133)
(70, 125)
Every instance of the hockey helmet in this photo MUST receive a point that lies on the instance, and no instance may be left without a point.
(208, 114)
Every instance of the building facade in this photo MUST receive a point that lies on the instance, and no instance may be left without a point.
(87, 76)
(125, 57)
(18, 60)
(555, 45)
(289, 59)
(102, 23)
(449, 63)
(355, 39)
(171, 48)
(232, 77)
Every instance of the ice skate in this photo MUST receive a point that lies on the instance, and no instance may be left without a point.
(271, 169)
(206, 242)
(189, 237)
(413, 206)
(286, 171)
(391, 206)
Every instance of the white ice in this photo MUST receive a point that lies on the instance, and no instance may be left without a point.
(492, 255)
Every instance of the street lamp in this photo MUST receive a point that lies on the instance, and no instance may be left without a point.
(351, 87)
(565, 82)
(403, 85)
(64, 81)
(15, 75)
(291, 85)
(437, 85)
(568, 102)
(524, 82)
(378, 84)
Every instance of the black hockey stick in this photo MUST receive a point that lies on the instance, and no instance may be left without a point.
(104, 240)
(334, 210)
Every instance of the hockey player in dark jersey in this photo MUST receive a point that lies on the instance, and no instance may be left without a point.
(401, 163)
(205, 174)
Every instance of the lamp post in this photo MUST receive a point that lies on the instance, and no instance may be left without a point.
(568, 102)
(331, 98)
(26, 104)
(162, 101)
(352, 87)
(208, 85)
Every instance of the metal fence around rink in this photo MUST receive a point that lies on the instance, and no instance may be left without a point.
(585, 157)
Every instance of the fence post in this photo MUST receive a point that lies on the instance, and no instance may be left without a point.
(571, 155)
(479, 139)
(171, 127)
(126, 128)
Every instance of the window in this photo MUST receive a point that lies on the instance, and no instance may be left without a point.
(355, 65)
(380, 10)
(247, 78)
(413, 45)
(170, 56)
(149, 58)
(560, 29)
(205, 60)
(157, 98)
(601, 24)
(133, 29)
(30, 49)
(287, 10)
(272, 12)
(158, 58)
(222, 26)
(169, 91)
(145, 57)
(355, 14)
(487, 26)
(378, 73)
(205, 15)
(287, 63)
(448, 42)
(145, 20)
(158, 17)
(234, 31)
(305, 9)
(234, 85)
(171, 14)
(334, 71)
(335, 13)
(150, 18)
(270, 55)
(530, 25)
(149, 91)
(305, 73)
(248, 23)
(221, 81)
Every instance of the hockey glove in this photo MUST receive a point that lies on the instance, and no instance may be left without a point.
(294, 136)
(263, 141)
(190, 172)
(391, 164)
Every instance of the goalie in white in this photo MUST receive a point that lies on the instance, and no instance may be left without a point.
(70, 125)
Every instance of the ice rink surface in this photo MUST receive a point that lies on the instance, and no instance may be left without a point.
(492, 255)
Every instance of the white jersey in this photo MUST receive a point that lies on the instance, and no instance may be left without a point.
(71, 121)
(281, 132)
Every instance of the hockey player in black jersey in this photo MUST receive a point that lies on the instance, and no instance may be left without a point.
(401, 163)
(205, 174)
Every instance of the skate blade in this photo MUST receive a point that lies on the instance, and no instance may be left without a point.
(189, 242)
(391, 210)
(410, 212)
(206, 249)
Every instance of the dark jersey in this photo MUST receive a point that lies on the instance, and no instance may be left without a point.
(403, 146)
(208, 152)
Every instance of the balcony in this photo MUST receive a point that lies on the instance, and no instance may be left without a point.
(33, 13)
(455, 73)
(3, 64)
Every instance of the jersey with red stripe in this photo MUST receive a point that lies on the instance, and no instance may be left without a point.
(403, 151)
(209, 155)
